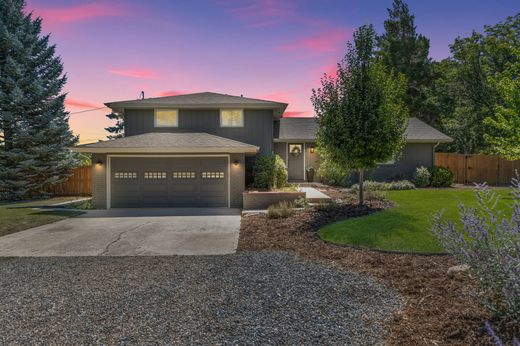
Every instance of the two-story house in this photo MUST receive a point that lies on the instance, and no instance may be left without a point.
(195, 150)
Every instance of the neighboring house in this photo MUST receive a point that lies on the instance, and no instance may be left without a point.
(195, 150)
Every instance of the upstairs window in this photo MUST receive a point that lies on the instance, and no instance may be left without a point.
(166, 118)
(231, 118)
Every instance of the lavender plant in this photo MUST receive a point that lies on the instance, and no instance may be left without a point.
(489, 242)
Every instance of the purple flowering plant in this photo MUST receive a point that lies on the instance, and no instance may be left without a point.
(488, 241)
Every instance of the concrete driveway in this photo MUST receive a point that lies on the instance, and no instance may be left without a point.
(131, 232)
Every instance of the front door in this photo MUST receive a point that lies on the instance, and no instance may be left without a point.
(295, 162)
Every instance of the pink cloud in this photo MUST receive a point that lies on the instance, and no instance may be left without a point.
(280, 96)
(260, 13)
(69, 102)
(326, 41)
(296, 114)
(171, 93)
(135, 73)
(57, 15)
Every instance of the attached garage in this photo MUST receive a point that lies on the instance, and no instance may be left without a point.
(157, 170)
(169, 182)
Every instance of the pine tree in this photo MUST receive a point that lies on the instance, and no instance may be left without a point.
(117, 130)
(33, 121)
(404, 51)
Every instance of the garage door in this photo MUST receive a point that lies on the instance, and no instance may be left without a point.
(169, 182)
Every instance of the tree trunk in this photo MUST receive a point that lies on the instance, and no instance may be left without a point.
(361, 191)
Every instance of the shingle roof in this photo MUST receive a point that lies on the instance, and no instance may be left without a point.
(419, 131)
(185, 142)
(200, 100)
(306, 128)
(296, 128)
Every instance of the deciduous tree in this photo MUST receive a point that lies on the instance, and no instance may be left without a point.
(361, 114)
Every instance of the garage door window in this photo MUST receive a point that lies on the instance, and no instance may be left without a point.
(125, 175)
(155, 175)
(212, 175)
(183, 175)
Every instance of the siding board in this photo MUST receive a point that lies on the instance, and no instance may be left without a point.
(257, 130)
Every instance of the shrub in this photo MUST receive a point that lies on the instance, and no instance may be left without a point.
(326, 207)
(269, 172)
(332, 174)
(422, 176)
(279, 210)
(375, 195)
(301, 203)
(441, 177)
(489, 243)
(370, 185)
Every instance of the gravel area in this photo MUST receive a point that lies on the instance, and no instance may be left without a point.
(262, 297)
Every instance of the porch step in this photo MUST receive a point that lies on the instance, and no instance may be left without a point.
(314, 196)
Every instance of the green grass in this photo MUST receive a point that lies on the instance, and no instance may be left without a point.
(16, 217)
(405, 227)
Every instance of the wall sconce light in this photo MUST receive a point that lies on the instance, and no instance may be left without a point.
(312, 150)
(99, 163)
(236, 163)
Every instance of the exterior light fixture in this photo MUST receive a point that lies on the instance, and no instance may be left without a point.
(236, 163)
(99, 163)
(312, 149)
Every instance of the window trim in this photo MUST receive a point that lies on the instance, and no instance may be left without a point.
(165, 109)
(233, 109)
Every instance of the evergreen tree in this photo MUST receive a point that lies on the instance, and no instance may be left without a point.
(33, 121)
(116, 131)
(404, 51)
(361, 115)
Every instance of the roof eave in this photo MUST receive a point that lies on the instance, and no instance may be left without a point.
(172, 150)
(430, 140)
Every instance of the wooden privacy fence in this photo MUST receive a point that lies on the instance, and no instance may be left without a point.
(78, 184)
(468, 169)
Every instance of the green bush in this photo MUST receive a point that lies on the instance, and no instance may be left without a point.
(280, 210)
(422, 176)
(375, 195)
(370, 185)
(269, 172)
(441, 177)
(332, 174)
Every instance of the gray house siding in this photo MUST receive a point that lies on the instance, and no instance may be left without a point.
(257, 130)
(280, 150)
(414, 155)
(99, 181)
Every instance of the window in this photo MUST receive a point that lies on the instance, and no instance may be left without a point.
(166, 118)
(183, 175)
(231, 118)
(125, 175)
(212, 175)
(155, 175)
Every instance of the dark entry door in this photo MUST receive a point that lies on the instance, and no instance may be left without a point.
(169, 182)
(295, 161)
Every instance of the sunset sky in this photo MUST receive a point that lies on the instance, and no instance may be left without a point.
(269, 49)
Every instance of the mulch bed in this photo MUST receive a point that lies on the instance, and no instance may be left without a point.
(439, 310)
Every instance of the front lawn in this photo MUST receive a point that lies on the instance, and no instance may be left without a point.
(16, 217)
(405, 227)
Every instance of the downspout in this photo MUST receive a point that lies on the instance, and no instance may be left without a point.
(433, 152)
